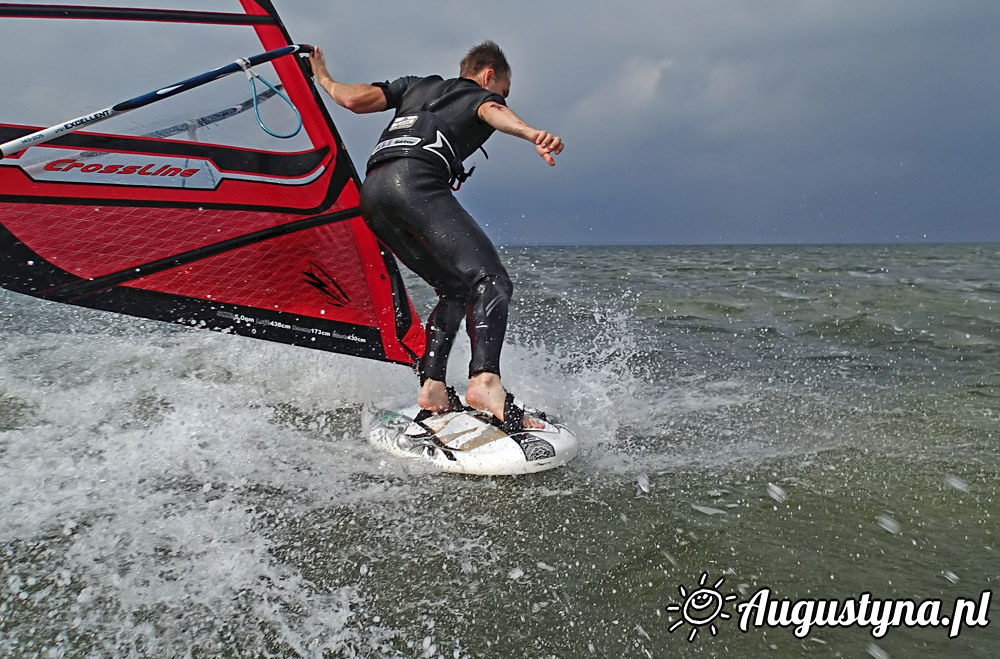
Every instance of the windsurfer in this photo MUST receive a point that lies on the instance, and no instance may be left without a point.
(407, 201)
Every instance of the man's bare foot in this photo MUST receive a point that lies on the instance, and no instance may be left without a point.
(434, 396)
(486, 393)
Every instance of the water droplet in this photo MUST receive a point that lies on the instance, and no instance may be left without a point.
(877, 652)
(708, 510)
(643, 482)
(888, 523)
(956, 482)
(63, 578)
(777, 492)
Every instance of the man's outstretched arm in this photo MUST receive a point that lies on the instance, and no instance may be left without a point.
(358, 98)
(504, 120)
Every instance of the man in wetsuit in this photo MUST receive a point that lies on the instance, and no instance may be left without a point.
(407, 201)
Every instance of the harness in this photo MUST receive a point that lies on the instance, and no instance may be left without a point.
(423, 135)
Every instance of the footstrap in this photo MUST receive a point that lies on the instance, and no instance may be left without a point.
(429, 438)
(513, 416)
(454, 405)
(454, 401)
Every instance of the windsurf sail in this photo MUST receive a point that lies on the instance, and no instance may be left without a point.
(187, 210)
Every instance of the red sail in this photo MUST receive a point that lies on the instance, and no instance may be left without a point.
(187, 223)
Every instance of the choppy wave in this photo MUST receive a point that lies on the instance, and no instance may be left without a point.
(748, 412)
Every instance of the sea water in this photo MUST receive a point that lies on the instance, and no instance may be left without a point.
(819, 421)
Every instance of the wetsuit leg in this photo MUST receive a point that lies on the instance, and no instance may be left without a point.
(411, 209)
(486, 321)
(441, 328)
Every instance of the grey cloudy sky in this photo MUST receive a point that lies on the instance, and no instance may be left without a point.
(721, 121)
(711, 121)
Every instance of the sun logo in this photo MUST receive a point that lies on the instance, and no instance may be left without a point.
(701, 607)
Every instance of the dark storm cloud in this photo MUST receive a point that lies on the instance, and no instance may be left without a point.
(685, 122)
(723, 121)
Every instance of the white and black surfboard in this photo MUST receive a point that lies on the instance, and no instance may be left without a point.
(467, 443)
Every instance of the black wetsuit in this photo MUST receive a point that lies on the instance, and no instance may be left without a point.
(407, 201)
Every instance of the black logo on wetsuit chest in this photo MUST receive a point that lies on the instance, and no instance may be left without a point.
(321, 280)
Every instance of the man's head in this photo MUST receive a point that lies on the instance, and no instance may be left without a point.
(487, 65)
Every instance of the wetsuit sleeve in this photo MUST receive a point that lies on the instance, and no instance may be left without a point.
(394, 90)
